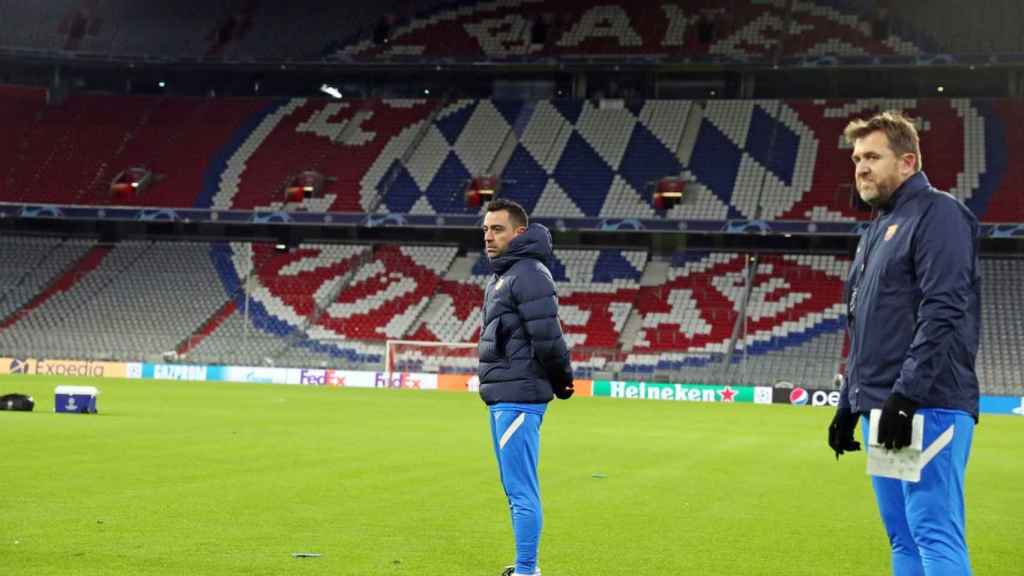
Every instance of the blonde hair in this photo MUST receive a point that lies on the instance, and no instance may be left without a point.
(900, 130)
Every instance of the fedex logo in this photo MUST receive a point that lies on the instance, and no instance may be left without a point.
(321, 378)
(396, 380)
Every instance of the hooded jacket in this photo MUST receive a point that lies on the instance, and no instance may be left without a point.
(523, 354)
(914, 304)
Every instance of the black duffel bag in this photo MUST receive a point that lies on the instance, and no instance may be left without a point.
(19, 402)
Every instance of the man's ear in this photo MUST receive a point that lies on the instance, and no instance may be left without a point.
(519, 230)
(907, 164)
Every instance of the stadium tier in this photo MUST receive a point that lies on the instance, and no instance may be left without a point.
(133, 299)
(739, 29)
(794, 316)
(31, 269)
(597, 292)
(753, 159)
(229, 29)
(70, 154)
(354, 143)
(744, 30)
(339, 305)
(1002, 337)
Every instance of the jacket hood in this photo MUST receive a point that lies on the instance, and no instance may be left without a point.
(535, 243)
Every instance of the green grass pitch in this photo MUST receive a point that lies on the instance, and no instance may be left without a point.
(217, 479)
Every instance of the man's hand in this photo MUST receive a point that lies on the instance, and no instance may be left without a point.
(840, 432)
(896, 424)
(564, 392)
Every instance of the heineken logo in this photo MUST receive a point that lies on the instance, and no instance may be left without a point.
(677, 392)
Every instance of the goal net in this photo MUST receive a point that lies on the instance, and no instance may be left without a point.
(430, 357)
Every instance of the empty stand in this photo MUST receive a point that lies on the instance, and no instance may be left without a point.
(34, 24)
(155, 293)
(68, 154)
(767, 159)
(597, 290)
(19, 111)
(689, 322)
(236, 340)
(326, 305)
(999, 366)
(353, 143)
(29, 266)
(745, 30)
(179, 141)
(385, 295)
(65, 153)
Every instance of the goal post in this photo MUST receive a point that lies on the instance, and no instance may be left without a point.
(430, 357)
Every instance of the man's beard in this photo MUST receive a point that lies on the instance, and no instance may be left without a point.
(883, 192)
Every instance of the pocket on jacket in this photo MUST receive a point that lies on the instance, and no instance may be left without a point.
(490, 348)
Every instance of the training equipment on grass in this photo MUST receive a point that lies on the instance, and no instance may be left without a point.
(75, 399)
(17, 402)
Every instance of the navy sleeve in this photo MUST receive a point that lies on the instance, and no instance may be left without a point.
(844, 386)
(944, 252)
(844, 392)
(537, 304)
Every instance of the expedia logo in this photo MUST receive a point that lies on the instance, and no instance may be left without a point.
(70, 368)
(19, 366)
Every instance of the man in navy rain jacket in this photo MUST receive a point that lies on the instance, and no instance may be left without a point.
(914, 311)
(524, 362)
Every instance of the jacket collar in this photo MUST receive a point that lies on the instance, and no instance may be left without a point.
(910, 187)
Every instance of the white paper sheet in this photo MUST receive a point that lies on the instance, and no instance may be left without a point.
(905, 463)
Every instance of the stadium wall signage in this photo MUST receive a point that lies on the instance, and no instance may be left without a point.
(1003, 405)
(630, 390)
(800, 396)
(63, 367)
(173, 372)
(681, 392)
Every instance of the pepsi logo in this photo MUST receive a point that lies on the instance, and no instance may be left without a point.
(798, 397)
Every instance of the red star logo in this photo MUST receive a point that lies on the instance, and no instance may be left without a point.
(728, 394)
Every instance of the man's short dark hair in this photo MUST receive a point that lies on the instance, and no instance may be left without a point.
(516, 212)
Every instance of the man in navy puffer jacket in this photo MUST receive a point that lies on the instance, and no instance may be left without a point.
(524, 361)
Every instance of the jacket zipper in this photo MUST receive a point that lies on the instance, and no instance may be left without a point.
(855, 295)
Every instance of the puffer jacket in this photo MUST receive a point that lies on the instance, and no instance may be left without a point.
(523, 354)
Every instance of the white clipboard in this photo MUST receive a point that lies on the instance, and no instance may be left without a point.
(905, 463)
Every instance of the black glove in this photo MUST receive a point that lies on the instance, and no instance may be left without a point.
(561, 382)
(564, 390)
(896, 422)
(840, 432)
